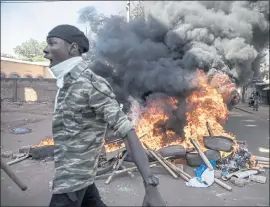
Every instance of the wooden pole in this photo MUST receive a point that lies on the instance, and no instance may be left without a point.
(117, 172)
(209, 128)
(18, 160)
(12, 175)
(163, 164)
(115, 167)
(208, 164)
(183, 174)
(204, 158)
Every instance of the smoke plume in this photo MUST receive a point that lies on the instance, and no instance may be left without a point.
(160, 53)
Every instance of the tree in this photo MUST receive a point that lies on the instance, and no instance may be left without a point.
(31, 49)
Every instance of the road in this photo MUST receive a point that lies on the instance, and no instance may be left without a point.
(124, 191)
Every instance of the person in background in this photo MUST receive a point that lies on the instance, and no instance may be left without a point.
(85, 106)
(256, 98)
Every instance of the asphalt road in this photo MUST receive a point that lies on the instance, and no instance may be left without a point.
(124, 191)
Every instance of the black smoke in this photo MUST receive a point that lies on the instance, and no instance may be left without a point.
(161, 53)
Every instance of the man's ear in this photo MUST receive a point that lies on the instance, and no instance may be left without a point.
(73, 49)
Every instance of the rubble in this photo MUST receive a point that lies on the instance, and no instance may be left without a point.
(258, 179)
(239, 160)
(240, 182)
(218, 174)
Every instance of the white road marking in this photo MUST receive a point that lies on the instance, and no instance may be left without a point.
(261, 149)
(251, 125)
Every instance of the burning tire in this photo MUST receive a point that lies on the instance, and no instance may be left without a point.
(194, 159)
(219, 143)
(176, 151)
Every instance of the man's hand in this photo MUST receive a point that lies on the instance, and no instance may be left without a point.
(152, 197)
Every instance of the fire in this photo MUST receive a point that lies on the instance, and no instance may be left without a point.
(206, 104)
(47, 141)
(224, 84)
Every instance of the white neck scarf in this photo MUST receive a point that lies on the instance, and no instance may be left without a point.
(60, 70)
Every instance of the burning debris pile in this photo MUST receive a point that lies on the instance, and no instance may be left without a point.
(198, 138)
(152, 64)
(167, 123)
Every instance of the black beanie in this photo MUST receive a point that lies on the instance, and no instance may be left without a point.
(70, 34)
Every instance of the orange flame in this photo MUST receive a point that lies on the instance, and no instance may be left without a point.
(206, 104)
(47, 141)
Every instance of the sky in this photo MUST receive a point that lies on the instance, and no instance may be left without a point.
(22, 21)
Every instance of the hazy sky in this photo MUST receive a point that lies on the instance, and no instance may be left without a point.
(22, 21)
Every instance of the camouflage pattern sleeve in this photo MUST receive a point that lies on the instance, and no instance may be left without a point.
(102, 100)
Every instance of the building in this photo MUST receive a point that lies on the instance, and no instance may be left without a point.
(262, 87)
(12, 68)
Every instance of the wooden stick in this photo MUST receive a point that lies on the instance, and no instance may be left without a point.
(183, 174)
(163, 164)
(18, 159)
(222, 184)
(208, 164)
(265, 159)
(111, 175)
(117, 172)
(160, 161)
(204, 158)
(12, 175)
(174, 167)
(130, 173)
(209, 129)
(115, 167)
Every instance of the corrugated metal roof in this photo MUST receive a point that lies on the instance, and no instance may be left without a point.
(26, 62)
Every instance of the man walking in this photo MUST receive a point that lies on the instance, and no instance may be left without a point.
(85, 106)
(256, 98)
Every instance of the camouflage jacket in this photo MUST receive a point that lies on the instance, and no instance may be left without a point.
(86, 105)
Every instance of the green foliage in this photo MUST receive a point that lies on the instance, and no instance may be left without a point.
(31, 50)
